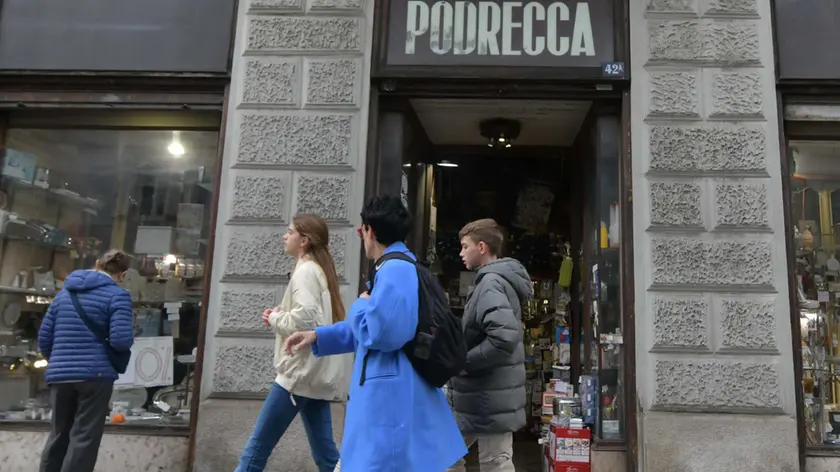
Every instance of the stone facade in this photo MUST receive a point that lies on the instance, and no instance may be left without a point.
(295, 142)
(20, 451)
(714, 357)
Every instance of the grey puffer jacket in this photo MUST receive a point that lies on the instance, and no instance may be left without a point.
(490, 398)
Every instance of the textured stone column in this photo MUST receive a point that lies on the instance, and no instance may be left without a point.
(296, 135)
(715, 370)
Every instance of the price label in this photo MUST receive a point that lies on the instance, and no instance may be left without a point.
(613, 69)
(823, 297)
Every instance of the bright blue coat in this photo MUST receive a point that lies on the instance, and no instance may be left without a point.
(396, 421)
(74, 353)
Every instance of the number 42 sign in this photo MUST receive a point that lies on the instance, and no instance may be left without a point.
(613, 69)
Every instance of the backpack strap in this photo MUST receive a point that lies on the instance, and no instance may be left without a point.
(374, 268)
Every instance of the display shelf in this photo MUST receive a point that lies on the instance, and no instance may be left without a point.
(26, 291)
(61, 195)
(35, 242)
(175, 429)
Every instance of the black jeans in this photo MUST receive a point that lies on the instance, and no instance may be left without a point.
(78, 421)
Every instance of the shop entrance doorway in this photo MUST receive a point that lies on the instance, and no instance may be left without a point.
(549, 172)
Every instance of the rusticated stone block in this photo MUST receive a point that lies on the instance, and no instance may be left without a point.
(672, 6)
(295, 139)
(675, 204)
(736, 94)
(741, 205)
(723, 148)
(273, 83)
(674, 93)
(332, 82)
(748, 324)
(682, 261)
(676, 41)
(260, 198)
(276, 5)
(292, 33)
(732, 42)
(257, 254)
(241, 309)
(327, 196)
(244, 369)
(716, 385)
(732, 7)
(719, 42)
(335, 5)
(680, 323)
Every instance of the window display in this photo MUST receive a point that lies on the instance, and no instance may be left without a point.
(604, 386)
(815, 206)
(66, 197)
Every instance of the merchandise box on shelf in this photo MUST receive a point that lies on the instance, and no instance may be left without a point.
(564, 467)
(553, 466)
(569, 446)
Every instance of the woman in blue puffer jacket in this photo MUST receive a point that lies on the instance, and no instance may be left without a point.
(79, 373)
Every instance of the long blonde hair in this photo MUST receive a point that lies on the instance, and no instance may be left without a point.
(316, 231)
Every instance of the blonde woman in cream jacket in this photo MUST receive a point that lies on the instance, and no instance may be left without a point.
(304, 384)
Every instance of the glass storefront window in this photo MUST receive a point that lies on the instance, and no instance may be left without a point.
(66, 197)
(604, 387)
(815, 209)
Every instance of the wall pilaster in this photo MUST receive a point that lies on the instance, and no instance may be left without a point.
(714, 357)
(295, 142)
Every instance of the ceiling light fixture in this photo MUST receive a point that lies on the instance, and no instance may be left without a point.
(500, 132)
(175, 147)
(447, 164)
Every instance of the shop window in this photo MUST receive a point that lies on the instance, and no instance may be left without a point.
(815, 211)
(602, 260)
(66, 197)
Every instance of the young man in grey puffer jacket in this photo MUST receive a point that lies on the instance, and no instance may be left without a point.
(489, 395)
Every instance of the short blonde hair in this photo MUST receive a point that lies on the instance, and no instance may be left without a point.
(485, 230)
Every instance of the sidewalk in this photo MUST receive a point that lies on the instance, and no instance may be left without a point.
(527, 457)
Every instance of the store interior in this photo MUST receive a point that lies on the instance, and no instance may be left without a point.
(66, 197)
(815, 209)
(548, 172)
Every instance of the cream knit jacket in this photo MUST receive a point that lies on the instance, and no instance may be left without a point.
(305, 305)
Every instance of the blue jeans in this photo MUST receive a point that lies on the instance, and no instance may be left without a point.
(276, 415)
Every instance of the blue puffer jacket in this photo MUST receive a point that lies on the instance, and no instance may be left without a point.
(74, 353)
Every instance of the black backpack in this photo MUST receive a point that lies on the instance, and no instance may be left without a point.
(438, 351)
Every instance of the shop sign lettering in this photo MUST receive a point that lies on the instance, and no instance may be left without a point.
(487, 28)
(501, 33)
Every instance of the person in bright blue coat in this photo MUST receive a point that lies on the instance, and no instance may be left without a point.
(79, 371)
(395, 421)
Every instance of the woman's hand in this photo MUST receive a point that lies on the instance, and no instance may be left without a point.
(298, 341)
(265, 315)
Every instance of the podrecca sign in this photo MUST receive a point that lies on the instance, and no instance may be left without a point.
(500, 33)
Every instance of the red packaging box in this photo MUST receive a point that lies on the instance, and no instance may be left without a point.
(569, 446)
(551, 466)
(564, 467)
